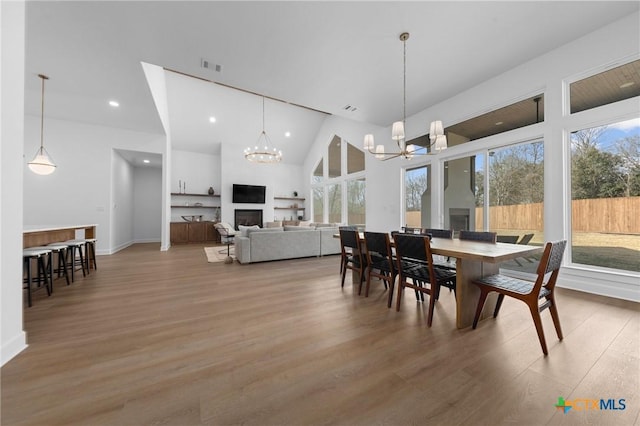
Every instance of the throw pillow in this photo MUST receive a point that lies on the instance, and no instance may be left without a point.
(243, 229)
(306, 223)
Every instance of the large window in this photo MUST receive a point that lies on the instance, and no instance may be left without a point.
(340, 188)
(334, 202)
(355, 201)
(464, 193)
(607, 87)
(605, 194)
(516, 190)
(417, 197)
(318, 204)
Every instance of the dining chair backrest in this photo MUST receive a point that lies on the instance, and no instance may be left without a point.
(553, 252)
(439, 233)
(349, 238)
(526, 239)
(377, 242)
(409, 246)
(488, 237)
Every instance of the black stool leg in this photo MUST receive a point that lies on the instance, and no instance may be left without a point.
(62, 264)
(27, 264)
(71, 260)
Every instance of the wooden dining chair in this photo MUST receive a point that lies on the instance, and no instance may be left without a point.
(352, 228)
(529, 292)
(414, 262)
(487, 237)
(351, 255)
(380, 262)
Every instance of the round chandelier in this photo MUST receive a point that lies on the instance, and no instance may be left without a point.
(263, 151)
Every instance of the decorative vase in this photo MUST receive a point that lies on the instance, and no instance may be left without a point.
(295, 193)
(211, 190)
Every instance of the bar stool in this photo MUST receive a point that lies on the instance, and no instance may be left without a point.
(75, 250)
(61, 250)
(90, 252)
(89, 245)
(44, 276)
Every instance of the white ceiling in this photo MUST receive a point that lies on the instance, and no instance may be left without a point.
(323, 55)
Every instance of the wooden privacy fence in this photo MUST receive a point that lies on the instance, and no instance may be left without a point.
(614, 215)
(611, 215)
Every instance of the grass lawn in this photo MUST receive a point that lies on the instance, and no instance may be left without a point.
(617, 251)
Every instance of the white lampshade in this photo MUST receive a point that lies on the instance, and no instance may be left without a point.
(380, 152)
(397, 131)
(441, 143)
(435, 129)
(41, 164)
(368, 142)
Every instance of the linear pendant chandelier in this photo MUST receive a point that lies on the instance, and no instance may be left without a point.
(436, 131)
(263, 151)
(42, 163)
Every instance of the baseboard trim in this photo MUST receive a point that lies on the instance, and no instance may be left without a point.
(13, 347)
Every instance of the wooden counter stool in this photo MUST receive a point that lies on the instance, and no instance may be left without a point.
(44, 277)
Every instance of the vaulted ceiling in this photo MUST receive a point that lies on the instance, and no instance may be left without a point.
(321, 55)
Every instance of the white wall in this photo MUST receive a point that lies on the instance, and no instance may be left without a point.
(12, 30)
(122, 202)
(147, 204)
(198, 172)
(79, 191)
(280, 179)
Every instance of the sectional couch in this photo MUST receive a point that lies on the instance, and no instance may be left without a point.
(289, 242)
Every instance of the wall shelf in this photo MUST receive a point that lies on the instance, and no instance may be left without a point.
(289, 198)
(283, 204)
(195, 195)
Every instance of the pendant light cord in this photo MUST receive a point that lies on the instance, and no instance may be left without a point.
(43, 77)
(404, 83)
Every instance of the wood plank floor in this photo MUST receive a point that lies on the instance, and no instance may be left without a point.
(166, 338)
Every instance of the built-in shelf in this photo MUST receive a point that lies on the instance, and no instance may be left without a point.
(197, 207)
(287, 203)
(289, 198)
(195, 195)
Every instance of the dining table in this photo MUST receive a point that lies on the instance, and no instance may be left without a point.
(475, 259)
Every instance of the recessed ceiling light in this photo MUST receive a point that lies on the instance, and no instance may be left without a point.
(146, 161)
(212, 119)
(627, 84)
(114, 104)
(499, 123)
(287, 134)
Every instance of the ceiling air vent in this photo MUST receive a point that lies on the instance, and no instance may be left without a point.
(205, 63)
(349, 108)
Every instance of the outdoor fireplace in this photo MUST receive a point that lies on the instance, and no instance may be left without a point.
(248, 217)
(459, 219)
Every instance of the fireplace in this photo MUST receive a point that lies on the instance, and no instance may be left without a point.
(459, 219)
(248, 217)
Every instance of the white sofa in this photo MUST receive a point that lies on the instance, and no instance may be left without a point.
(265, 244)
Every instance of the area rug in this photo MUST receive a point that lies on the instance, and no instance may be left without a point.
(214, 255)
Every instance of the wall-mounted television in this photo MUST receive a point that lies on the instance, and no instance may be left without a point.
(251, 194)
